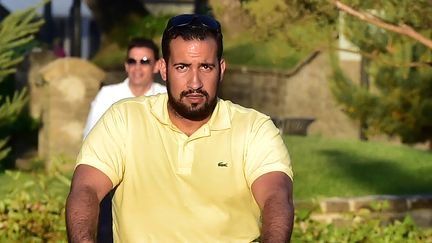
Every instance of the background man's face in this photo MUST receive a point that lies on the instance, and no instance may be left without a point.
(193, 74)
(141, 74)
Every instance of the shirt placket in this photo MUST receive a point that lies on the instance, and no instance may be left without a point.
(185, 155)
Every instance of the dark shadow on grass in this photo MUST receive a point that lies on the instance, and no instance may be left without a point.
(378, 175)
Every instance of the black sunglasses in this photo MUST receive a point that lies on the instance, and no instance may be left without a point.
(193, 20)
(143, 61)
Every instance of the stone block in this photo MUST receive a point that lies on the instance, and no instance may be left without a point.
(380, 203)
(335, 205)
(69, 86)
(420, 202)
(307, 205)
(422, 217)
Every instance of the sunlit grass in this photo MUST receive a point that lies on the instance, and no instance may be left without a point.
(329, 168)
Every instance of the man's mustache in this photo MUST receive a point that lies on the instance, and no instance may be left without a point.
(192, 91)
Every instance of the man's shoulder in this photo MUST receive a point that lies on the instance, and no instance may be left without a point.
(113, 87)
(140, 100)
(239, 113)
(114, 90)
(158, 85)
(158, 88)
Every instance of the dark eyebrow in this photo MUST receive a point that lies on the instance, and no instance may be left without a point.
(182, 63)
(209, 64)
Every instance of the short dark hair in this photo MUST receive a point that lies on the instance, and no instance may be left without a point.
(143, 42)
(192, 30)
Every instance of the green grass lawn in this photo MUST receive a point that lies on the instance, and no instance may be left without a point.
(329, 168)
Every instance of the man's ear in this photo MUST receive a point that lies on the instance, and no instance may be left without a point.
(126, 67)
(222, 69)
(156, 67)
(162, 69)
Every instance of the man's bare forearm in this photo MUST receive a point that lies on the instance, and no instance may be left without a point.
(278, 217)
(82, 210)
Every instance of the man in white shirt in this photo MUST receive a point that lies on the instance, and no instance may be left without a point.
(140, 65)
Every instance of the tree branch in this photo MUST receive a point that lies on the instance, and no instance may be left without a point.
(400, 29)
(376, 57)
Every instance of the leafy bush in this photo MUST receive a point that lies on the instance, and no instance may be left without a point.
(16, 32)
(34, 211)
(363, 228)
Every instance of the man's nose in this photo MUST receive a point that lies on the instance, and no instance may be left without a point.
(195, 80)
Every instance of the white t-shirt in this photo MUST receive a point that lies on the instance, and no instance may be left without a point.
(109, 95)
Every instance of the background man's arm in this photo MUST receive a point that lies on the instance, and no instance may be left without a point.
(273, 193)
(89, 186)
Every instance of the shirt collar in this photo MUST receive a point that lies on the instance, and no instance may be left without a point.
(220, 119)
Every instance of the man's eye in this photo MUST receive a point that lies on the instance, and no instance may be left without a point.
(206, 67)
(181, 67)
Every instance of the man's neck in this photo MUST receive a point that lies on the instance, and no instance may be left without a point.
(187, 126)
(139, 90)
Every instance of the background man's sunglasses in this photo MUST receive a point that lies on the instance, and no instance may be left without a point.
(193, 20)
(143, 61)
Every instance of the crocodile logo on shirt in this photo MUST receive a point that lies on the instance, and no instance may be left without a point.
(222, 164)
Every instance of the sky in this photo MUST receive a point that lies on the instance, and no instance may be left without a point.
(59, 7)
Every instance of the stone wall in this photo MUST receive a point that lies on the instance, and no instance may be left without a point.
(305, 93)
(387, 207)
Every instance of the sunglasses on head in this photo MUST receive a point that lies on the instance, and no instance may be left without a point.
(193, 20)
(143, 61)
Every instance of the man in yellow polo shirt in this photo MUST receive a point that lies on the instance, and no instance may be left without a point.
(187, 166)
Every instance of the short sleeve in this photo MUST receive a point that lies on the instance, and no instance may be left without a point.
(266, 151)
(104, 147)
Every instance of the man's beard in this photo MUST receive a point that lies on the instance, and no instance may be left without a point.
(192, 112)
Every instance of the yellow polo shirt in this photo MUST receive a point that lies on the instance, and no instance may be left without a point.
(175, 188)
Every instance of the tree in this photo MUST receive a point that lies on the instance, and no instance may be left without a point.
(399, 66)
(16, 31)
(392, 36)
(401, 28)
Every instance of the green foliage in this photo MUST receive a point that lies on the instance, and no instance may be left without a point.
(149, 27)
(305, 25)
(263, 54)
(4, 151)
(398, 102)
(362, 228)
(34, 211)
(16, 31)
(399, 68)
(112, 55)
